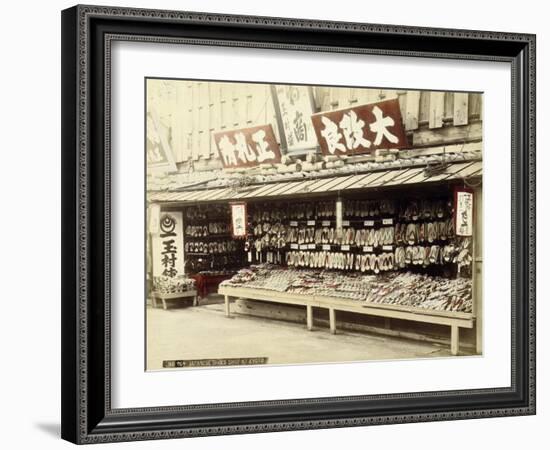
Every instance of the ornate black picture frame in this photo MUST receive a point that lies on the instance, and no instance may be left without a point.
(87, 35)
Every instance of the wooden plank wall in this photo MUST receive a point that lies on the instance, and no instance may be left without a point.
(193, 110)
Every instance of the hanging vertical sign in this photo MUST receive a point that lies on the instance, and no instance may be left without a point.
(294, 107)
(238, 220)
(361, 129)
(158, 151)
(464, 212)
(168, 246)
(339, 214)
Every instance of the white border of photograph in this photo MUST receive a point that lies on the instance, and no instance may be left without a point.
(133, 387)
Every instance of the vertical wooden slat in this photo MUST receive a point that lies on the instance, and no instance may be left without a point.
(362, 96)
(373, 95)
(460, 109)
(215, 106)
(402, 98)
(225, 101)
(249, 92)
(258, 99)
(449, 105)
(474, 106)
(241, 94)
(195, 144)
(235, 119)
(214, 115)
(333, 96)
(437, 105)
(204, 123)
(187, 125)
(424, 110)
(178, 116)
(324, 99)
(412, 109)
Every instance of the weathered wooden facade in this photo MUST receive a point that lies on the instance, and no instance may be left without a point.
(191, 111)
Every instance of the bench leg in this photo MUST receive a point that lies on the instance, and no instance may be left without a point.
(227, 309)
(163, 302)
(154, 299)
(195, 301)
(387, 323)
(454, 340)
(332, 320)
(309, 315)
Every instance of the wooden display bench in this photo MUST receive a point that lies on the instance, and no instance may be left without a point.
(455, 320)
(164, 297)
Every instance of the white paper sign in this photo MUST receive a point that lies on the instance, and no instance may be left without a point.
(464, 216)
(168, 246)
(295, 105)
(238, 219)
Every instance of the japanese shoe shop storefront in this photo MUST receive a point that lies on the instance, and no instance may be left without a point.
(346, 209)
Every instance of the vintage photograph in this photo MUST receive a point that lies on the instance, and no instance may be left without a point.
(297, 224)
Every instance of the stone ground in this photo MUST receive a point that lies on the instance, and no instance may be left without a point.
(204, 332)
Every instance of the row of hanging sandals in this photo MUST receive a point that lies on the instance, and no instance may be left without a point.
(401, 233)
(412, 255)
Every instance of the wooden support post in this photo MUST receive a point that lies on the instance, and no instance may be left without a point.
(454, 340)
(195, 300)
(154, 299)
(163, 302)
(477, 269)
(227, 309)
(309, 317)
(332, 320)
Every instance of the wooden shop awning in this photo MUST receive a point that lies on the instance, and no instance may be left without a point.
(377, 179)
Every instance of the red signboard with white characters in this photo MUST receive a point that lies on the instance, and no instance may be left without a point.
(248, 147)
(360, 129)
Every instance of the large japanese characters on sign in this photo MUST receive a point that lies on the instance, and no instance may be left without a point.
(248, 147)
(168, 246)
(295, 107)
(360, 129)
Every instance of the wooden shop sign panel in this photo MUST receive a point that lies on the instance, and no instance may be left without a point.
(295, 106)
(361, 129)
(248, 147)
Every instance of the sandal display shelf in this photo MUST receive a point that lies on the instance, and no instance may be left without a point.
(453, 319)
